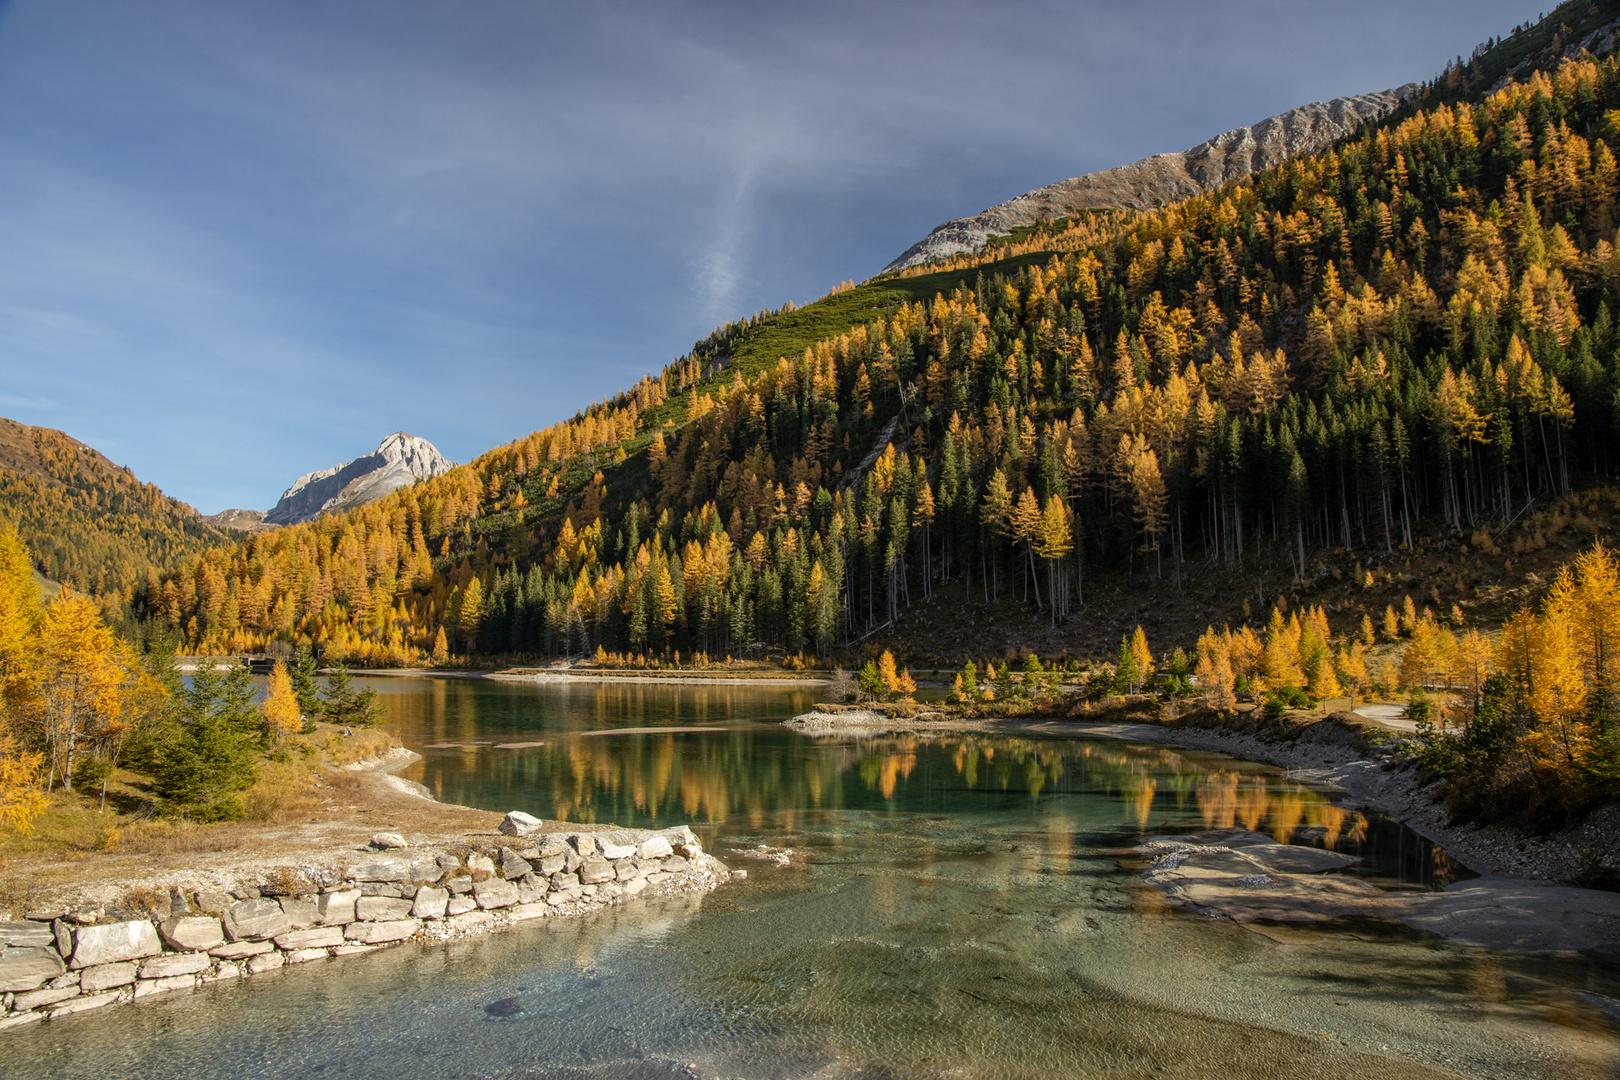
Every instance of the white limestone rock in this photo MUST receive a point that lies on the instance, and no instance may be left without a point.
(113, 942)
(399, 461)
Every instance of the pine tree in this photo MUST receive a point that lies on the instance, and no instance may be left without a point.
(302, 676)
(210, 759)
(343, 703)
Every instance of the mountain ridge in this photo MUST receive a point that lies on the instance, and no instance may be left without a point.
(1163, 179)
(400, 460)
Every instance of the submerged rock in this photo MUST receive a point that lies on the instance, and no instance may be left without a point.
(1247, 877)
(510, 1006)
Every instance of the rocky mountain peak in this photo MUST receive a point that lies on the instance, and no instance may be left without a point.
(399, 461)
(1164, 178)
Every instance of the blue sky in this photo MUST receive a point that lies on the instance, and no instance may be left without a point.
(240, 241)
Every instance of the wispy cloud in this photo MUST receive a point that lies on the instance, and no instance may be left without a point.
(241, 241)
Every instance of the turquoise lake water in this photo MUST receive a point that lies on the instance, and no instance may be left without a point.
(961, 905)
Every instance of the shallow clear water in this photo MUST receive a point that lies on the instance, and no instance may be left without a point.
(962, 905)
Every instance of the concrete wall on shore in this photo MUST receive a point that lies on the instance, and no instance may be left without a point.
(60, 962)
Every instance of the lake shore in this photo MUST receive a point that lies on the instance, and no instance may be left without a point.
(1523, 897)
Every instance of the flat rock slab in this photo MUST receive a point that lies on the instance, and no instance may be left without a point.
(376, 933)
(1511, 913)
(26, 934)
(255, 920)
(192, 932)
(165, 967)
(27, 967)
(1243, 876)
(115, 942)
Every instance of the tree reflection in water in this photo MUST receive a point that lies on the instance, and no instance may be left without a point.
(555, 754)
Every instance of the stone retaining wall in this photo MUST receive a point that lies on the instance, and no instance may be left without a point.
(55, 963)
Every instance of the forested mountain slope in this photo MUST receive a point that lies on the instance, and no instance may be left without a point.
(1409, 335)
(87, 522)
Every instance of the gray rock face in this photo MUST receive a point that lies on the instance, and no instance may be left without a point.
(399, 461)
(1164, 178)
(192, 932)
(517, 823)
(254, 920)
(26, 967)
(48, 996)
(114, 942)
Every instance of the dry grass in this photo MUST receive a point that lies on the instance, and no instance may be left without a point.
(364, 744)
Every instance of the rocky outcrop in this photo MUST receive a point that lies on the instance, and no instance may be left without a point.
(248, 521)
(399, 461)
(59, 962)
(1164, 178)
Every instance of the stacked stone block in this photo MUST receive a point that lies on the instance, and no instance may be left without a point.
(56, 963)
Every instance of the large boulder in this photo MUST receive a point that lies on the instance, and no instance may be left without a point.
(678, 835)
(188, 933)
(115, 942)
(255, 920)
(388, 841)
(26, 967)
(517, 823)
